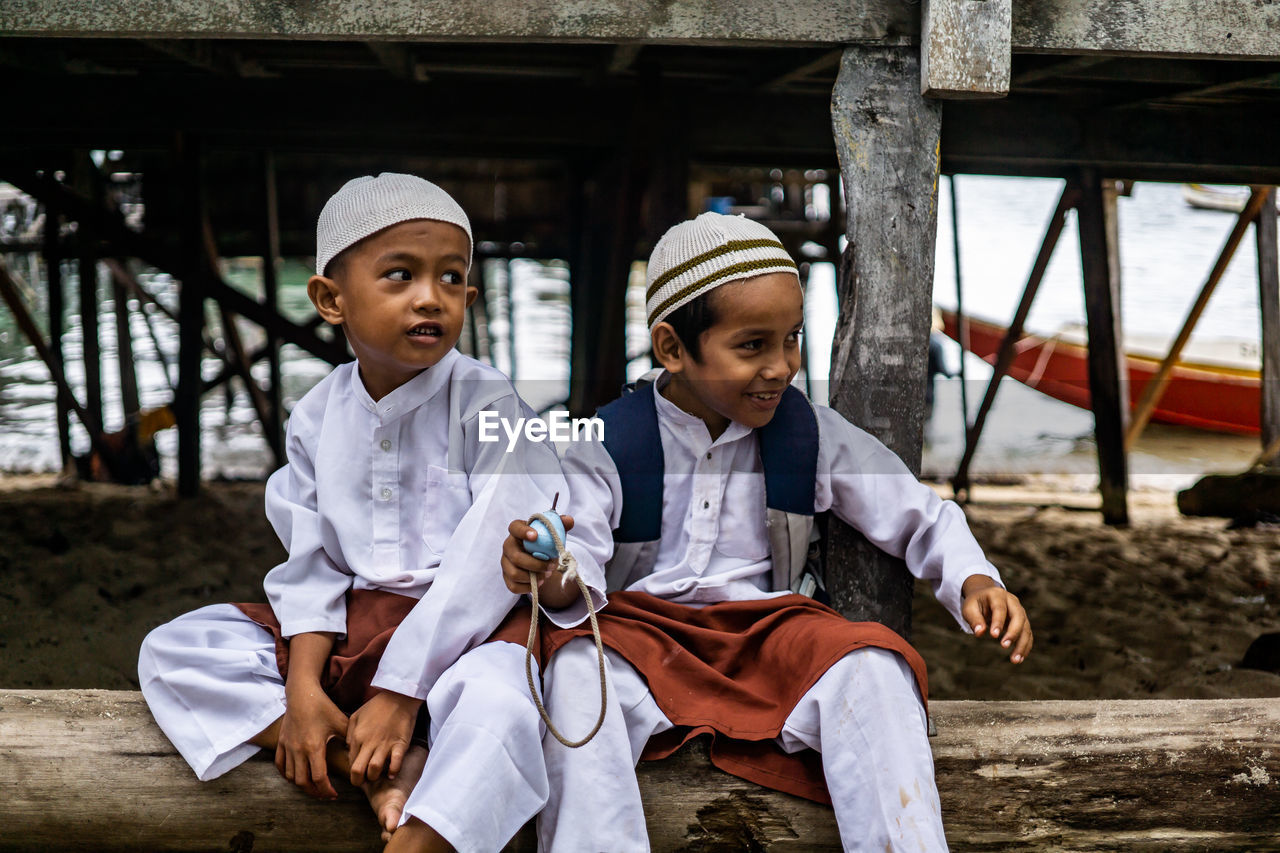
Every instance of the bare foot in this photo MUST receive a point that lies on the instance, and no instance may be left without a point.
(388, 796)
(416, 837)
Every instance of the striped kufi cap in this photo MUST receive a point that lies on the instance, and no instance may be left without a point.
(701, 254)
(364, 206)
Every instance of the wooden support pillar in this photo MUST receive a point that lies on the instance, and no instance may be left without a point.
(57, 310)
(124, 350)
(1108, 393)
(1269, 299)
(609, 218)
(91, 347)
(274, 426)
(186, 404)
(887, 137)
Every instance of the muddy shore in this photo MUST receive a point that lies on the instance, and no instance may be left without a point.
(1162, 609)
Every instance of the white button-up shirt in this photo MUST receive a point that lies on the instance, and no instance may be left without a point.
(401, 495)
(715, 545)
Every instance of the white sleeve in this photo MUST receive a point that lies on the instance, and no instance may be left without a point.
(468, 599)
(596, 492)
(869, 488)
(308, 590)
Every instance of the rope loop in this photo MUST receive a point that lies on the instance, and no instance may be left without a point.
(569, 567)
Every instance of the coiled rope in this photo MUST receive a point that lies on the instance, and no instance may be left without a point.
(568, 566)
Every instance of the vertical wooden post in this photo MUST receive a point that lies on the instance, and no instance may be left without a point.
(887, 137)
(190, 316)
(86, 236)
(57, 308)
(270, 292)
(124, 350)
(1269, 300)
(1108, 384)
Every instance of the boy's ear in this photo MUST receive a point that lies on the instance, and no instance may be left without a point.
(472, 293)
(667, 348)
(323, 293)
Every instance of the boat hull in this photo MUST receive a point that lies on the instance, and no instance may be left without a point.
(1209, 397)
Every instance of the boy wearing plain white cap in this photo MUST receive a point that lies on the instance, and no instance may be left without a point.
(393, 512)
(712, 624)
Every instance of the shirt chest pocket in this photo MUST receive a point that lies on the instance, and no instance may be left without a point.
(446, 499)
(743, 524)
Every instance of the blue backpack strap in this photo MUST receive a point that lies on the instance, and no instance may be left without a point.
(789, 451)
(631, 436)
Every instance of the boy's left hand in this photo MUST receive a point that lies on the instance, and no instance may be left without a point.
(991, 609)
(378, 735)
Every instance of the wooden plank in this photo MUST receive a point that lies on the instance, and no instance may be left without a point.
(89, 770)
(1100, 265)
(766, 22)
(1269, 301)
(886, 134)
(965, 48)
(1242, 29)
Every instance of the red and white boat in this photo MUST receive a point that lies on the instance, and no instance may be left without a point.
(1216, 388)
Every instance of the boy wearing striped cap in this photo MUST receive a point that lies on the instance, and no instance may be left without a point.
(701, 500)
(391, 507)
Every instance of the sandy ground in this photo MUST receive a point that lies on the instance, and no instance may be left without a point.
(1163, 608)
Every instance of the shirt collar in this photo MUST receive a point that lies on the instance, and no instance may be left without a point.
(408, 396)
(692, 425)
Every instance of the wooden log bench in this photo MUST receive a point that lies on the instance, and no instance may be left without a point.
(89, 770)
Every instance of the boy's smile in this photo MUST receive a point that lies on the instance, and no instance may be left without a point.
(401, 296)
(748, 357)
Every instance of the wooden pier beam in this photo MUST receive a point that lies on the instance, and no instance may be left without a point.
(186, 403)
(887, 136)
(1269, 300)
(57, 320)
(1100, 262)
(87, 240)
(274, 430)
(129, 398)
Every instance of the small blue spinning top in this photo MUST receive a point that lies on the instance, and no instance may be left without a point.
(544, 547)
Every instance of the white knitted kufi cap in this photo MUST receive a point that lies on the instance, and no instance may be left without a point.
(701, 254)
(366, 205)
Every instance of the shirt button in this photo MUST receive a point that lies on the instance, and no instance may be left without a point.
(706, 504)
(386, 444)
(708, 454)
(386, 494)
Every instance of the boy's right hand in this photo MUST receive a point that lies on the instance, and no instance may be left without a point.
(517, 563)
(310, 721)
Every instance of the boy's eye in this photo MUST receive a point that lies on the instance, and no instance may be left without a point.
(752, 345)
(453, 277)
(399, 275)
(794, 337)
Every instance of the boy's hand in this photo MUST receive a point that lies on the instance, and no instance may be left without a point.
(990, 609)
(310, 721)
(517, 563)
(378, 735)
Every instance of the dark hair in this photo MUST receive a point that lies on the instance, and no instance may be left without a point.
(337, 264)
(692, 319)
